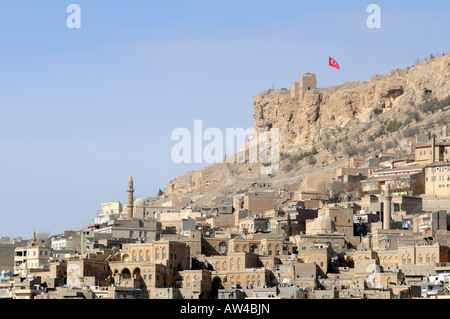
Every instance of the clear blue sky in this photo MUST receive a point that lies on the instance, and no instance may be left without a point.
(81, 109)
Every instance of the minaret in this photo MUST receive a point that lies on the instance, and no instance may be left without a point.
(33, 238)
(387, 207)
(433, 149)
(130, 202)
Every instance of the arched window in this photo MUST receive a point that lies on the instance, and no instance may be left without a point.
(254, 249)
(223, 248)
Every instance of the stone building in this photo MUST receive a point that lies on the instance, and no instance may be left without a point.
(90, 269)
(32, 256)
(307, 82)
(154, 264)
(432, 152)
(437, 179)
(342, 218)
(404, 180)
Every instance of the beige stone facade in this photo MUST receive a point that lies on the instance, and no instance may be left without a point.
(437, 179)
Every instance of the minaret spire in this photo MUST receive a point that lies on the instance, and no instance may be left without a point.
(33, 237)
(130, 202)
(387, 207)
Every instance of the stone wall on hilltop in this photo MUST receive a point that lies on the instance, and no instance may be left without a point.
(300, 119)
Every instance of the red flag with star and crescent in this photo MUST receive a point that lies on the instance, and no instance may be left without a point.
(333, 63)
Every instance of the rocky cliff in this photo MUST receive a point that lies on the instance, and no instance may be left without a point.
(301, 120)
(357, 109)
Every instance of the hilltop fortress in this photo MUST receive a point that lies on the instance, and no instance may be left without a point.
(307, 82)
(305, 112)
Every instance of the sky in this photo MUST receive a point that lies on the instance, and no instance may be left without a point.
(83, 108)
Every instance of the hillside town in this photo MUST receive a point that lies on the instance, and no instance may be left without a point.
(374, 228)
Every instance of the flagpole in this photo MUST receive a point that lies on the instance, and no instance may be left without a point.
(328, 77)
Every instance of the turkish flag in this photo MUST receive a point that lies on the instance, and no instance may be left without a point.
(334, 64)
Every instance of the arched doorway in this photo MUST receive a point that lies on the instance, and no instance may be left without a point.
(126, 274)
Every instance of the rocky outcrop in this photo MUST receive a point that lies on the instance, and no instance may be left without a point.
(300, 120)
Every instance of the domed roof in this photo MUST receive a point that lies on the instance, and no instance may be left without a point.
(323, 225)
(139, 202)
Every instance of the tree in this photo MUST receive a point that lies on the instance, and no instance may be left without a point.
(332, 189)
(410, 131)
(287, 168)
(351, 191)
(362, 150)
(327, 143)
(413, 115)
(160, 192)
(312, 160)
(390, 144)
(349, 149)
(393, 126)
(446, 101)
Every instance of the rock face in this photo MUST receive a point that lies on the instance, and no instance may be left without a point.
(304, 114)
(300, 119)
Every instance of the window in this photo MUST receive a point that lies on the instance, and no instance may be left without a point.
(131, 233)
